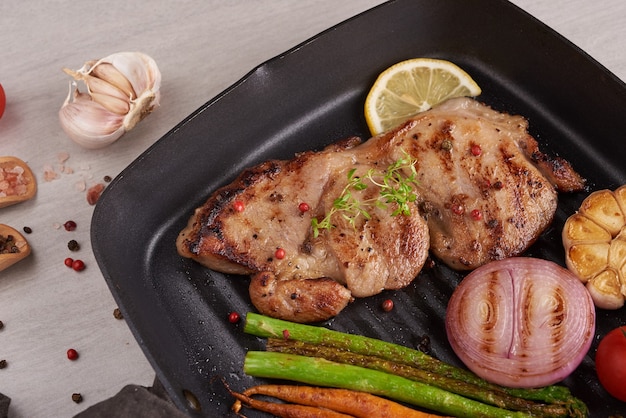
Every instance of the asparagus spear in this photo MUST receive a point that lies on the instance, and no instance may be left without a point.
(321, 372)
(263, 326)
(493, 397)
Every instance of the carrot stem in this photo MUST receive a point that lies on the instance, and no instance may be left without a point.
(283, 410)
(354, 403)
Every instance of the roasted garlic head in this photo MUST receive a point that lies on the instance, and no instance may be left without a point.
(121, 90)
(594, 239)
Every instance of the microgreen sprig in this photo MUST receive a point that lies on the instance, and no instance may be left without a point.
(395, 187)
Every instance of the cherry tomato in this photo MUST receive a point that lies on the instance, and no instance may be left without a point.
(3, 100)
(611, 362)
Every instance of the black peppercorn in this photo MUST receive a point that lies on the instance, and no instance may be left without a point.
(3, 364)
(446, 145)
(27, 229)
(73, 245)
(77, 397)
(117, 313)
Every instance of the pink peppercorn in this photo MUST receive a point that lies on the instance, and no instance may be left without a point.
(78, 265)
(233, 317)
(457, 209)
(476, 215)
(476, 150)
(387, 305)
(69, 225)
(279, 254)
(304, 207)
(72, 354)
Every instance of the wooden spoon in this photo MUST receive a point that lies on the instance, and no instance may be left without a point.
(13, 246)
(25, 178)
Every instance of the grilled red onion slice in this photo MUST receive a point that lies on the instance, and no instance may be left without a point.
(521, 322)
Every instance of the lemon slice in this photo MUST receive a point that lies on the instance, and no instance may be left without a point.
(412, 86)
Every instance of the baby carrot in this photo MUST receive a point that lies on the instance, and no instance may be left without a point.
(354, 403)
(284, 410)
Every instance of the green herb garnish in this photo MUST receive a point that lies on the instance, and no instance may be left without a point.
(395, 187)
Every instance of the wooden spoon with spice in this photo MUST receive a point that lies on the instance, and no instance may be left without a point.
(17, 182)
(13, 247)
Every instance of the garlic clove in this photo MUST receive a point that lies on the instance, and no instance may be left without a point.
(89, 123)
(103, 92)
(602, 207)
(605, 290)
(107, 72)
(620, 196)
(139, 69)
(587, 260)
(111, 103)
(617, 251)
(122, 89)
(579, 228)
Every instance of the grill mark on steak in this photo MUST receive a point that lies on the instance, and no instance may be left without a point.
(511, 184)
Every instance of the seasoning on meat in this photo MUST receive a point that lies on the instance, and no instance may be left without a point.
(470, 207)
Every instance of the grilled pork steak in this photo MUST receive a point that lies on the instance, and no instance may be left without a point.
(483, 187)
(296, 275)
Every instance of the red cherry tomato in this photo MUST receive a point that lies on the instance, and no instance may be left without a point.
(3, 100)
(611, 362)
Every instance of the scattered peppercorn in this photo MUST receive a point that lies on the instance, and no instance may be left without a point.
(387, 305)
(424, 344)
(107, 179)
(280, 253)
(68, 262)
(457, 209)
(239, 206)
(72, 354)
(3, 364)
(286, 334)
(7, 245)
(233, 317)
(69, 225)
(117, 313)
(446, 145)
(476, 215)
(73, 245)
(27, 229)
(77, 397)
(78, 265)
(1, 324)
(304, 207)
(476, 150)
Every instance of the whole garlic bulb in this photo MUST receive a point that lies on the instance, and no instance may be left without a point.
(122, 89)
